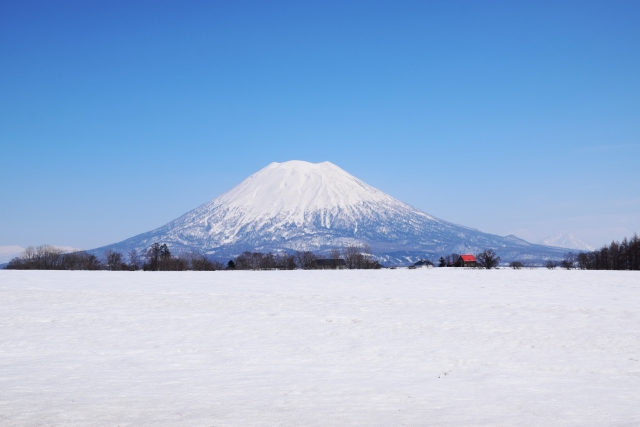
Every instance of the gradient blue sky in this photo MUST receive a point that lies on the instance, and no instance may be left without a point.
(510, 117)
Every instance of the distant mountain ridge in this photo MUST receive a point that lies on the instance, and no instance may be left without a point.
(566, 240)
(7, 253)
(298, 205)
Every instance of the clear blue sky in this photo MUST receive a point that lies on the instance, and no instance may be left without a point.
(510, 117)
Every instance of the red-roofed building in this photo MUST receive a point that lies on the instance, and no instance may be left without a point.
(466, 261)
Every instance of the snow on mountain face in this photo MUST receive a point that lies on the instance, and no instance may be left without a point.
(292, 189)
(298, 205)
(566, 240)
(7, 253)
(291, 199)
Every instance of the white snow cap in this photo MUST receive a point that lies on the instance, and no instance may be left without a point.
(299, 186)
(9, 252)
(289, 199)
(566, 240)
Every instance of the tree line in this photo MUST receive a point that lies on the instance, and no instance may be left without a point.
(158, 257)
(623, 255)
(47, 257)
(354, 256)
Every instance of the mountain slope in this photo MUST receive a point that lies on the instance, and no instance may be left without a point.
(298, 205)
(7, 253)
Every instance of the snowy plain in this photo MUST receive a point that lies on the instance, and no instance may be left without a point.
(439, 347)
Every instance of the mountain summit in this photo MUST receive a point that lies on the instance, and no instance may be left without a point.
(298, 205)
(566, 240)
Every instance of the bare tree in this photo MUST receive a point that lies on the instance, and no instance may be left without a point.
(47, 257)
(158, 258)
(114, 260)
(569, 261)
(153, 257)
(172, 263)
(551, 264)
(199, 262)
(165, 253)
(305, 259)
(50, 256)
(134, 260)
(261, 261)
(488, 259)
(360, 257)
(81, 261)
(243, 261)
(334, 253)
(248, 261)
(516, 265)
(285, 261)
(43, 257)
(352, 256)
(452, 259)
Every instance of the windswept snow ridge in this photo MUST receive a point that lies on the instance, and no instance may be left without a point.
(298, 205)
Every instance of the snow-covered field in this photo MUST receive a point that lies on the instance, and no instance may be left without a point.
(441, 347)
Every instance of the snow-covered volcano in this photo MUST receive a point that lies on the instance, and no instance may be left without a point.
(298, 205)
(566, 240)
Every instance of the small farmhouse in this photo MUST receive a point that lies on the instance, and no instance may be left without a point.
(328, 264)
(466, 261)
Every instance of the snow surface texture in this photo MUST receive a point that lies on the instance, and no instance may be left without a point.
(438, 347)
(566, 240)
(298, 205)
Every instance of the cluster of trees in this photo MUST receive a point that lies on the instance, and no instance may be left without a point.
(262, 261)
(355, 257)
(158, 257)
(448, 260)
(623, 255)
(47, 257)
(359, 257)
(519, 265)
(115, 262)
(568, 262)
